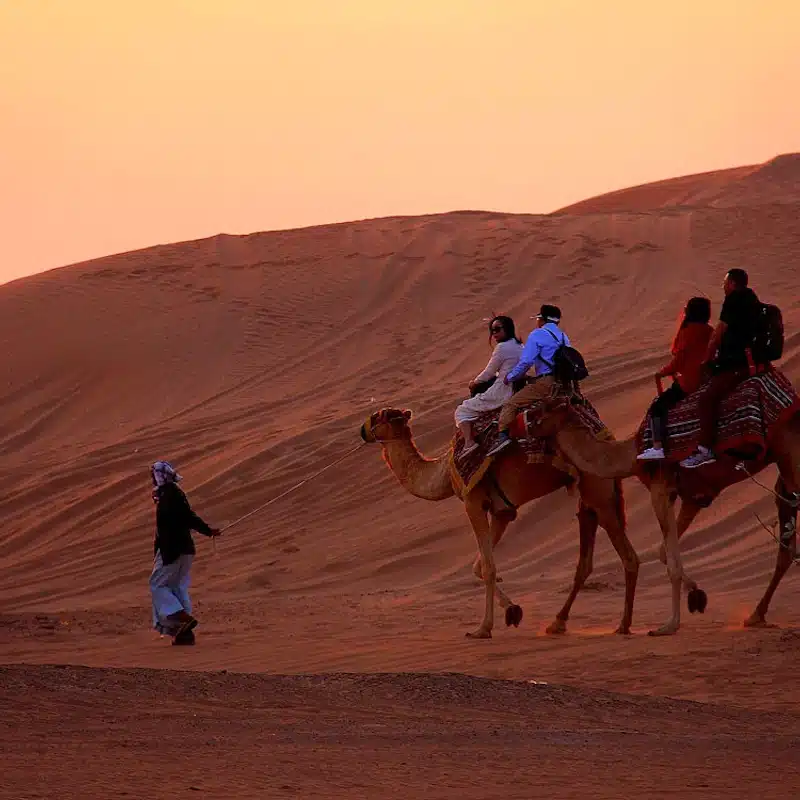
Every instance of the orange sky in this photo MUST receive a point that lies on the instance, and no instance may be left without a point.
(127, 123)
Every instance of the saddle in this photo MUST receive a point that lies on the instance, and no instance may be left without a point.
(468, 470)
(747, 419)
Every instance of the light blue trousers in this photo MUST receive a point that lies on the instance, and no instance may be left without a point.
(169, 588)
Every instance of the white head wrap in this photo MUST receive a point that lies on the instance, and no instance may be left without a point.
(163, 472)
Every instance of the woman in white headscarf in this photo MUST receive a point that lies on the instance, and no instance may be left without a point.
(174, 551)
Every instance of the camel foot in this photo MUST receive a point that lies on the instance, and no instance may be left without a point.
(697, 600)
(556, 626)
(756, 620)
(623, 630)
(481, 633)
(513, 616)
(665, 630)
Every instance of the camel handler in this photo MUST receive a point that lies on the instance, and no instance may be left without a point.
(174, 551)
(539, 350)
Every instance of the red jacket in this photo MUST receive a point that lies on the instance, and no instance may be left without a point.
(688, 355)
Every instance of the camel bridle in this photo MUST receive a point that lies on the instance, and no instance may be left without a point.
(382, 418)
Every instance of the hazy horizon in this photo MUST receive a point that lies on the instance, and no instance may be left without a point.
(132, 125)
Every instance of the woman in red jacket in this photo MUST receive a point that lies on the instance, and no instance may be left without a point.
(686, 367)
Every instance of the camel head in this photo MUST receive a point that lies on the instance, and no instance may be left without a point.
(386, 425)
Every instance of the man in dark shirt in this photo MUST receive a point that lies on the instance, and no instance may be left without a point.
(174, 551)
(726, 359)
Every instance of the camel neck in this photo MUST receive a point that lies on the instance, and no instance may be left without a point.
(423, 477)
(606, 459)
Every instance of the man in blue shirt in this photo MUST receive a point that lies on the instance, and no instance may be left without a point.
(539, 351)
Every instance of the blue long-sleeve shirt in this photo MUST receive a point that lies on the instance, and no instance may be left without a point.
(539, 351)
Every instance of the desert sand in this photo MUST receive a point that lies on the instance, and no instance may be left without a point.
(331, 659)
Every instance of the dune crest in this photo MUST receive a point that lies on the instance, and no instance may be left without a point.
(775, 181)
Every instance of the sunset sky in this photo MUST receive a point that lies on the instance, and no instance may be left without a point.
(127, 123)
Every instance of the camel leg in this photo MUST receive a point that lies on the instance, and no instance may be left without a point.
(787, 532)
(483, 533)
(499, 523)
(664, 507)
(613, 521)
(587, 527)
(513, 612)
(686, 516)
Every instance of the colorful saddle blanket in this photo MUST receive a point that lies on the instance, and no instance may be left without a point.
(746, 420)
(468, 471)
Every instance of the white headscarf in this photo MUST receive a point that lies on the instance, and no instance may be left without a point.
(163, 472)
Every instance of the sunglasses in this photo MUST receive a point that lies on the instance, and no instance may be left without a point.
(498, 330)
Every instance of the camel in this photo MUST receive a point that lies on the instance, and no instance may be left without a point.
(667, 482)
(511, 478)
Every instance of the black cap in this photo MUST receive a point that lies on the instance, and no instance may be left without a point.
(549, 313)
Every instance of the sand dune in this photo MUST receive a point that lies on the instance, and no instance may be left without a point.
(776, 181)
(250, 361)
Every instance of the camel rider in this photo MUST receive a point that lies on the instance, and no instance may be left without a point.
(539, 351)
(726, 359)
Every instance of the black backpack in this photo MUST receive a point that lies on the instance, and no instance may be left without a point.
(768, 338)
(567, 364)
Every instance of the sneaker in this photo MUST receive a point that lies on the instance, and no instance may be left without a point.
(652, 454)
(467, 450)
(503, 441)
(701, 456)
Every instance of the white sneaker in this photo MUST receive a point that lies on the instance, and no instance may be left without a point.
(652, 454)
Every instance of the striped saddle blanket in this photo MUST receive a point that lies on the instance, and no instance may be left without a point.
(746, 419)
